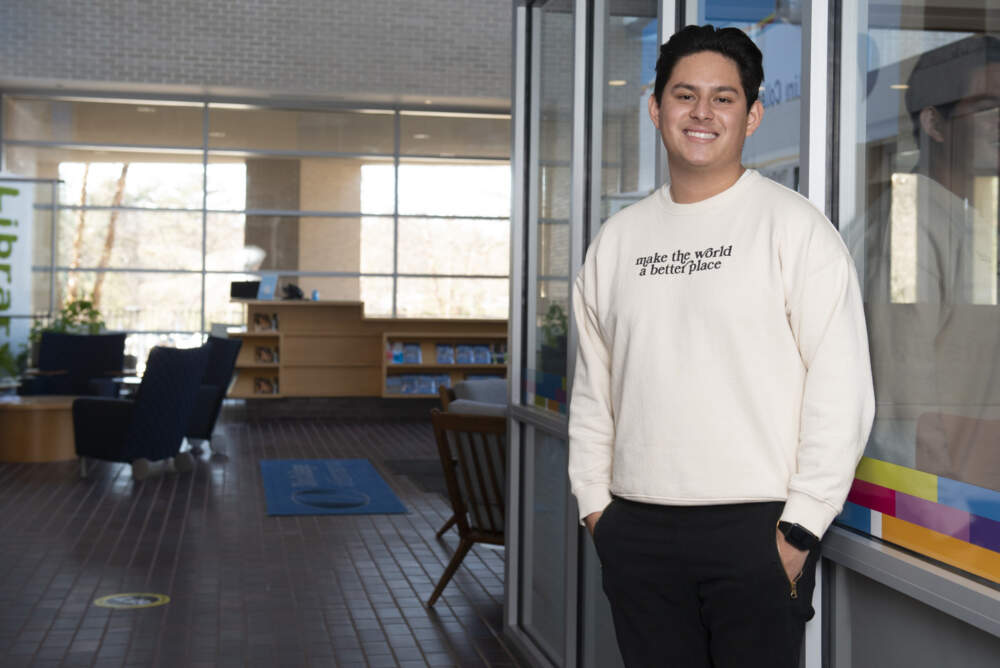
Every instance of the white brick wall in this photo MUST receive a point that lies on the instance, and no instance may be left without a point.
(329, 48)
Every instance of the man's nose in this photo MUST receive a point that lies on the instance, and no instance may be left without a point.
(702, 109)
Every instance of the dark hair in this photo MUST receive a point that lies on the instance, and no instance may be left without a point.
(732, 43)
(941, 76)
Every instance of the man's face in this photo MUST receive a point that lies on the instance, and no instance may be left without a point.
(975, 122)
(702, 115)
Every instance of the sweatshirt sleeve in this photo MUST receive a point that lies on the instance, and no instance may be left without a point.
(591, 420)
(827, 319)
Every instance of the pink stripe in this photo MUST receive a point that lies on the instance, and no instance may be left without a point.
(872, 496)
(933, 516)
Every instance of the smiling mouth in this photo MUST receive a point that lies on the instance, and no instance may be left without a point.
(697, 134)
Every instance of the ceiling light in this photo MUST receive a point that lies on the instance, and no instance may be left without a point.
(421, 135)
(146, 110)
(617, 82)
(217, 134)
(899, 86)
(428, 102)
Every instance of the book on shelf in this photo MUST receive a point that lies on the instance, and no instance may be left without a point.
(416, 383)
(481, 354)
(464, 354)
(266, 354)
(445, 353)
(499, 352)
(265, 385)
(265, 322)
(412, 354)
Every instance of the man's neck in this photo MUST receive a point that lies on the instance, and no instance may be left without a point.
(690, 186)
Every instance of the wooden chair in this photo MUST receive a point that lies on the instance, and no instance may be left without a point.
(447, 395)
(473, 451)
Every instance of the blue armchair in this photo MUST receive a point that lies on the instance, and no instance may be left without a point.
(222, 355)
(150, 428)
(77, 364)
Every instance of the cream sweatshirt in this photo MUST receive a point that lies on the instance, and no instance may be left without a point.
(722, 358)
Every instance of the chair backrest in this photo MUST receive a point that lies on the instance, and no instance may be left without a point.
(56, 351)
(222, 354)
(164, 401)
(473, 451)
(98, 356)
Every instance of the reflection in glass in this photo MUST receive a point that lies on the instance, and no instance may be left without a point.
(921, 199)
(545, 377)
(284, 130)
(628, 138)
(545, 541)
(451, 134)
(139, 123)
(774, 148)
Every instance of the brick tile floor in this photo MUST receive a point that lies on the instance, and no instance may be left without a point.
(246, 589)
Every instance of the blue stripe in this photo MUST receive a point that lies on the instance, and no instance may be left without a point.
(856, 517)
(970, 498)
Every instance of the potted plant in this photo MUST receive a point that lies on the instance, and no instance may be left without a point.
(79, 316)
(552, 355)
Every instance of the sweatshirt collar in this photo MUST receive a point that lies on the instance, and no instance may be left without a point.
(712, 203)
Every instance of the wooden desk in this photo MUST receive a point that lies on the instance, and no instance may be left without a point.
(36, 429)
(301, 348)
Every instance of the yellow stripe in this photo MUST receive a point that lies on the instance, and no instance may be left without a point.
(899, 478)
(968, 557)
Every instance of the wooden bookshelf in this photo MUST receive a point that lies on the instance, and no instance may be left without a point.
(329, 349)
(420, 379)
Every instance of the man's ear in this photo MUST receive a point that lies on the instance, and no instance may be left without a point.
(654, 110)
(754, 116)
(930, 123)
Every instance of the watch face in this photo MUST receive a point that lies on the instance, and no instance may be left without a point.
(798, 536)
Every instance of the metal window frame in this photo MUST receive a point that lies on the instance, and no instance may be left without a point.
(207, 103)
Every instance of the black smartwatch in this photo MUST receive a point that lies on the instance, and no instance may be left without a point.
(798, 536)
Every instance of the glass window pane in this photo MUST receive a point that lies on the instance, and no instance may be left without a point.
(219, 307)
(241, 242)
(774, 148)
(376, 293)
(290, 130)
(449, 135)
(454, 246)
(544, 537)
(124, 238)
(296, 183)
(918, 204)
(114, 177)
(465, 189)
(377, 245)
(545, 375)
(452, 298)
(628, 139)
(137, 300)
(138, 123)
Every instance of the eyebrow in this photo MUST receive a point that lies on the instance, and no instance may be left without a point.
(717, 89)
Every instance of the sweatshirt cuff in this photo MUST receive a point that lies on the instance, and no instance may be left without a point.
(592, 499)
(811, 513)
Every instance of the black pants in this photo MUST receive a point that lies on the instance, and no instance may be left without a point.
(702, 586)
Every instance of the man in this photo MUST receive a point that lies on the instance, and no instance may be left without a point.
(722, 383)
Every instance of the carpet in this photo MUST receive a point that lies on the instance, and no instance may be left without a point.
(326, 487)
